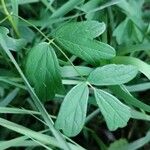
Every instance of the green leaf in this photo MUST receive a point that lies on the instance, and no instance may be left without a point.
(27, 1)
(77, 38)
(139, 87)
(42, 69)
(141, 65)
(133, 9)
(35, 99)
(41, 137)
(124, 34)
(122, 144)
(69, 71)
(91, 5)
(15, 7)
(25, 31)
(28, 132)
(12, 44)
(118, 145)
(72, 113)
(8, 99)
(138, 143)
(129, 48)
(139, 115)
(115, 113)
(68, 6)
(123, 93)
(85, 29)
(112, 74)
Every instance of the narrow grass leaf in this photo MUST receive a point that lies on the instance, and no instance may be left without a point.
(43, 138)
(9, 98)
(123, 93)
(35, 98)
(139, 115)
(29, 133)
(9, 110)
(15, 7)
(139, 87)
(69, 5)
(139, 143)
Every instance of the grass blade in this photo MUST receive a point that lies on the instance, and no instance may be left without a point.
(36, 100)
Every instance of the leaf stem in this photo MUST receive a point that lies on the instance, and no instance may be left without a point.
(69, 61)
(9, 17)
(92, 115)
(3, 20)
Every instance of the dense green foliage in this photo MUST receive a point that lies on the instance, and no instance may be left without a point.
(74, 74)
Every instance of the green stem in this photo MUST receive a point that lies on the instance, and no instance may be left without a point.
(9, 17)
(92, 115)
(69, 60)
(3, 20)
